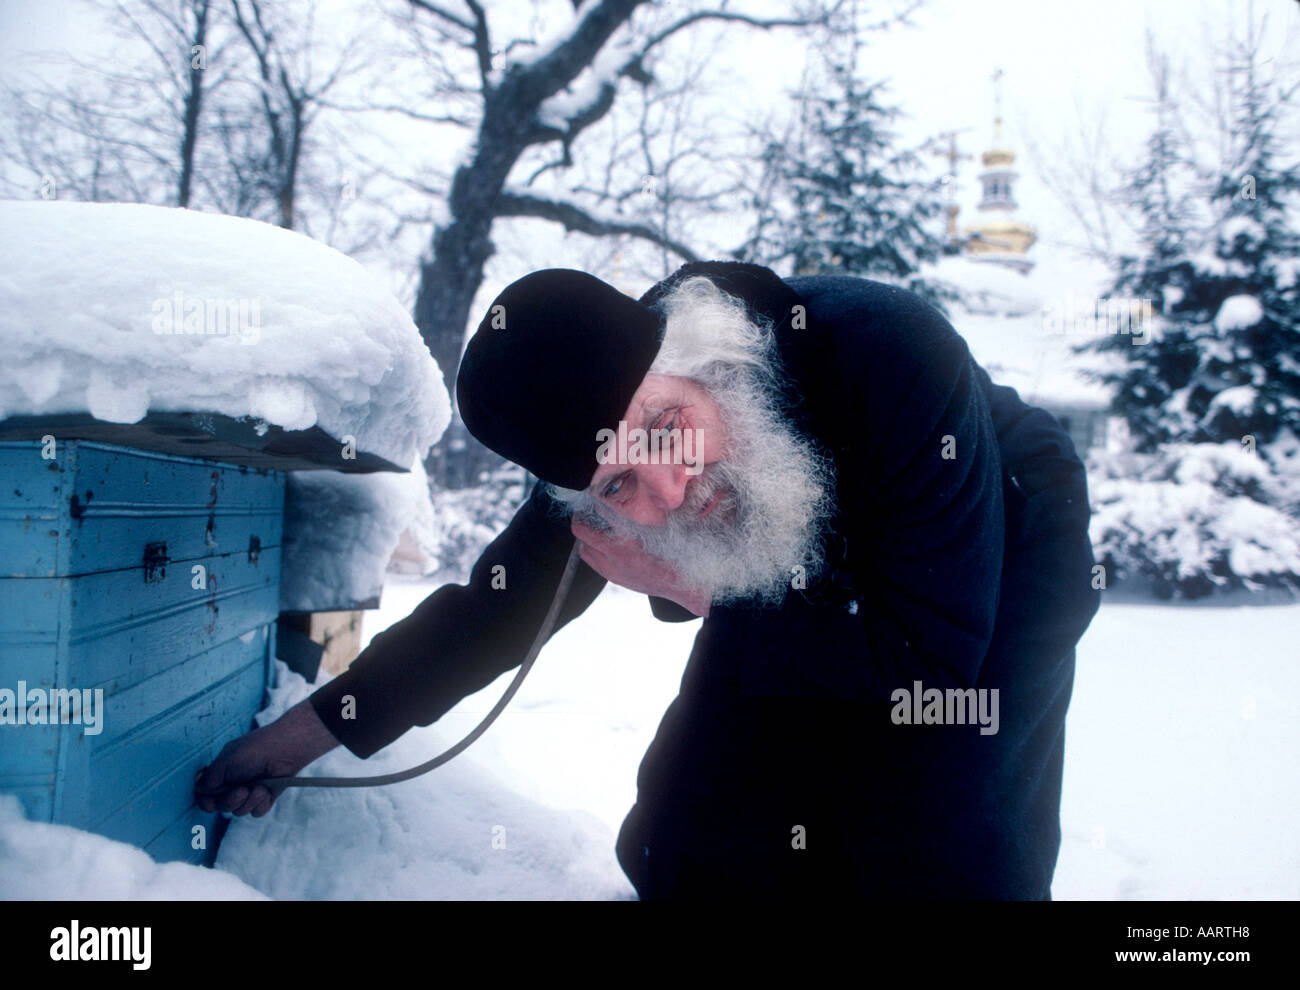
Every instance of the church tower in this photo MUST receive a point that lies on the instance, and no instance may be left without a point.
(999, 236)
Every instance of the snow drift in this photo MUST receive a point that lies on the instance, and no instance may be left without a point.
(40, 861)
(118, 309)
(340, 533)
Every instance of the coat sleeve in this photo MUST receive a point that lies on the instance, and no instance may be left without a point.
(460, 638)
(920, 499)
(669, 611)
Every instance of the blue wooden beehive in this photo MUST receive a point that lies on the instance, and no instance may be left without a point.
(154, 578)
(141, 553)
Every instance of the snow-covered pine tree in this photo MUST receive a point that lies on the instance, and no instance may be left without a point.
(838, 195)
(1256, 254)
(1159, 192)
(1208, 498)
(1223, 361)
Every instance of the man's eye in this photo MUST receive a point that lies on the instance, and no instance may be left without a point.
(667, 421)
(612, 488)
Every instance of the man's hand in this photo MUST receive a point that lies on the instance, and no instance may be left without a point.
(625, 563)
(281, 749)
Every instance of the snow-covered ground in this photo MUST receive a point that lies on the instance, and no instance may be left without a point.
(1180, 756)
(531, 811)
(55, 862)
(1179, 781)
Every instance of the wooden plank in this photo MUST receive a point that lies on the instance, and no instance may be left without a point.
(98, 508)
(97, 550)
(126, 629)
(340, 632)
(36, 798)
(240, 441)
(28, 753)
(33, 510)
(120, 629)
(128, 501)
(29, 631)
(34, 629)
(172, 737)
(137, 817)
(175, 841)
(134, 711)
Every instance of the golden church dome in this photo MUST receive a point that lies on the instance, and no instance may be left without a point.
(999, 235)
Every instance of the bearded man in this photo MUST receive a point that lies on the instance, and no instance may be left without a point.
(889, 553)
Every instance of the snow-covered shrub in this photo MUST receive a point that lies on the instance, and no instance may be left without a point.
(468, 519)
(1191, 519)
(1284, 455)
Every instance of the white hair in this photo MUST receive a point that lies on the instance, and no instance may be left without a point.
(781, 485)
(708, 335)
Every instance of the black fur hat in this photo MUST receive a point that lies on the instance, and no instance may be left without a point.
(557, 359)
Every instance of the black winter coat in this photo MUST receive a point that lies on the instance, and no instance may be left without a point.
(778, 770)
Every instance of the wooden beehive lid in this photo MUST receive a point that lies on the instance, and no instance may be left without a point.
(209, 436)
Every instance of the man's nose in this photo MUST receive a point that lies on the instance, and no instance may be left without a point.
(664, 485)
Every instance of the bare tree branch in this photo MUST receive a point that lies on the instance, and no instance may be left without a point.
(574, 218)
(446, 15)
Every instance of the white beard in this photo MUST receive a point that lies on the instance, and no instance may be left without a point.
(767, 526)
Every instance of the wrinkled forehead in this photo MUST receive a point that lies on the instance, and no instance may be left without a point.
(656, 394)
